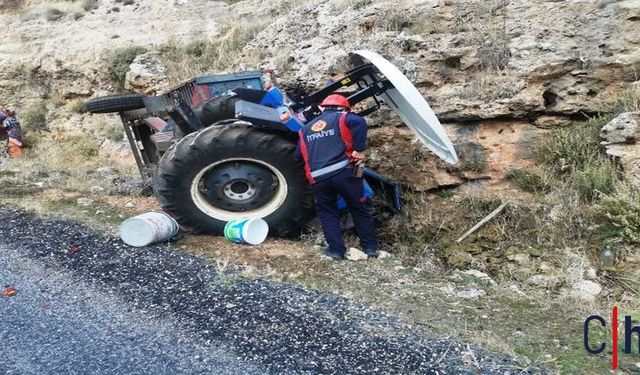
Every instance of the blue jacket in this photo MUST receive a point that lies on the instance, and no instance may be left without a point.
(326, 143)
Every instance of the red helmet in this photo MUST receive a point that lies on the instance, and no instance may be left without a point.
(335, 100)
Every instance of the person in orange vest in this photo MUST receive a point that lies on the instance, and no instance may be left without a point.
(11, 127)
(331, 145)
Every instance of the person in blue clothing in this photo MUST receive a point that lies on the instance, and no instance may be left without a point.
(10, 128)
(331, 145)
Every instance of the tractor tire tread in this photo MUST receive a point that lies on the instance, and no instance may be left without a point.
(177, 165)
(115, 103)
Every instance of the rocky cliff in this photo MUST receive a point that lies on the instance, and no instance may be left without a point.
(498, 73)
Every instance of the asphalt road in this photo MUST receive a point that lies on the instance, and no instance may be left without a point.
(112, 309)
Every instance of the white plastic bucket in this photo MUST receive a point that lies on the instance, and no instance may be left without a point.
(148, 228)
(249, 231)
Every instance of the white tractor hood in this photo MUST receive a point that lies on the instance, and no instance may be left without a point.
(407, 102)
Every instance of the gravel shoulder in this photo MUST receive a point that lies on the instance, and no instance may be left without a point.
(116, 309)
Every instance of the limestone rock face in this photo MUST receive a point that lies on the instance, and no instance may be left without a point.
(621, 138)
(498, 73)
(474, 60)
(146, 75)
(487, 151)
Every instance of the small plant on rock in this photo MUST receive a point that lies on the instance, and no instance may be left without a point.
(472, 157)
(53, 14)
(119, 64)
(89, 5)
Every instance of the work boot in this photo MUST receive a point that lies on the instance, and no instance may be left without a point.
(333, 255)
(371, 254)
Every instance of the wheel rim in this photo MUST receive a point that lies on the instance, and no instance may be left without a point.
(237, 188)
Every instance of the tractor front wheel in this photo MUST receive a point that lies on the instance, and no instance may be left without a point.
(115, 103)
(234, 172)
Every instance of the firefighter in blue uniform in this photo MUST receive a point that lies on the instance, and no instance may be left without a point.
(331, 145)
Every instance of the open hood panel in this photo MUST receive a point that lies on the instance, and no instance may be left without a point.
(407, 102)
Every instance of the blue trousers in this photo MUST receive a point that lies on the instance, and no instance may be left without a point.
(350, 188)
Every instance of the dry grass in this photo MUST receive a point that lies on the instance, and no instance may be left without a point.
(492, 84)
(34, 119)
(77, 106)
(630, 99)
(103, 129)
(485, 26)
(11, 4)
(67, 162)
(73, 154)
(397, 19)
(342, 5)
(221, 53)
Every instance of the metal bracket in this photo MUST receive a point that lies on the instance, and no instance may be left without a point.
(354, 77)
(183, 115)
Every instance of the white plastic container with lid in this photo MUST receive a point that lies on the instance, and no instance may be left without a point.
(148, 228)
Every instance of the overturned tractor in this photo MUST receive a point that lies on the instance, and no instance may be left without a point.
(221, 147)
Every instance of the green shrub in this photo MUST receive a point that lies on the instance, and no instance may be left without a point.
(575, 156)
(622, 210)
(530, 180)
(599, 177)
(119, 64)
(573, 148)
(630, 99)
(34, 119)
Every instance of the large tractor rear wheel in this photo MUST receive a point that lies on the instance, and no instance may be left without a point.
(233, 172)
